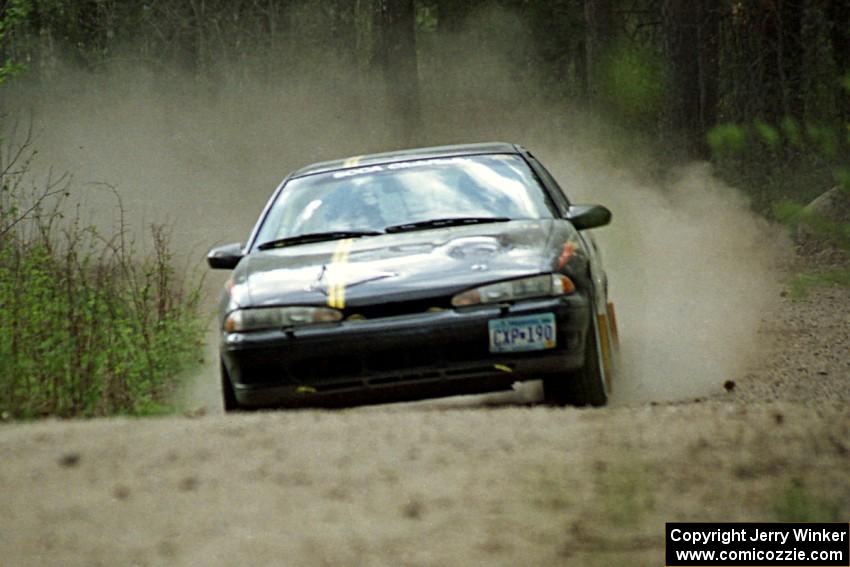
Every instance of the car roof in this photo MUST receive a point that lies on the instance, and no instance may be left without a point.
(408, 155)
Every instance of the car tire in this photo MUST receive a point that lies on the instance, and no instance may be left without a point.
(585, 386)
(228, 396)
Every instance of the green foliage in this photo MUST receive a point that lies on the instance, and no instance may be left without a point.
(87, 327)
(836, 232)
(767, 133)
(797, 216)
(797, 504)
(426, 18)
(824, 138)
(633, 80)
(845, 82)
(730, 138)
(785, 162)
(842, 176)
(792, 131)
(787, 212)
(802, 284)
(14, 12)
(726, 139)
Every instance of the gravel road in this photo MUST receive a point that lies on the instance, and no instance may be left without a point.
(465, 481)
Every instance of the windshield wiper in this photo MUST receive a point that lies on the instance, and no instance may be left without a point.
(440, 223)
(316, 237)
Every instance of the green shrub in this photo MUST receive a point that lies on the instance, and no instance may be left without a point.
(801, 284)
(789, 161)
(87, 326)
(795, 503)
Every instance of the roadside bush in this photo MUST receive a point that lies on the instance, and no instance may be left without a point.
(87, 325)
(786, 166)
(786, 163)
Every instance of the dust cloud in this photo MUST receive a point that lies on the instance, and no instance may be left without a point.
(691, 272)
(689, 266)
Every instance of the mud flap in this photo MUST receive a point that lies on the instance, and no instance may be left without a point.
(609, 342)
(612, 318)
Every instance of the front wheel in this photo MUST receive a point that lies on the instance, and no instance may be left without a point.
(585, 386)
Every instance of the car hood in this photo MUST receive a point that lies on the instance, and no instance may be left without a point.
(399, 267)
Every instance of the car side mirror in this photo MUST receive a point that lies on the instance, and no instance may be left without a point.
(225, 257)
(588, 216)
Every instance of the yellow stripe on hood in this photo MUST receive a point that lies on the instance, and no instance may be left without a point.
(337, 274)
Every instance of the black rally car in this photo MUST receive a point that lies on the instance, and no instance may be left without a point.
(413, 274)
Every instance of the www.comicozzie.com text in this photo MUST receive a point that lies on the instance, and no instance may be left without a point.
(743, 534)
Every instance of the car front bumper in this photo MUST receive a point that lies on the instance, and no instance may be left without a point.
(398, 358)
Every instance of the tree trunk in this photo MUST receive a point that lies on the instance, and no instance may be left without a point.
(598, 39)
(347, 77)
(580, 66)
(452, 14)
(709, 64)
(790, 56)
(839, 15)
(396, 57)
(819, 90)
(683, 105)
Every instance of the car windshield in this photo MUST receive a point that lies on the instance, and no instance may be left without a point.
(375, 197)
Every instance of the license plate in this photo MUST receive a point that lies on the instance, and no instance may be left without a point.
(522, 334)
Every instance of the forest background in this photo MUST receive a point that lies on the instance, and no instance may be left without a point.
(674, 71)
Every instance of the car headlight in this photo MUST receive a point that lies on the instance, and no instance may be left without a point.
(536, 286)
(278, 317)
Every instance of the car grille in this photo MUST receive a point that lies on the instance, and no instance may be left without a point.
(366, 364)
(380, 362)
(397, 309)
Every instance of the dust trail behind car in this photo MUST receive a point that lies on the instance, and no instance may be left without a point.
(692, 272)
(689, 265)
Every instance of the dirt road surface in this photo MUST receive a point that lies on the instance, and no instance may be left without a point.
(465, 481)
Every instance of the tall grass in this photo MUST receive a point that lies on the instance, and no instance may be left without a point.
(88, 326)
